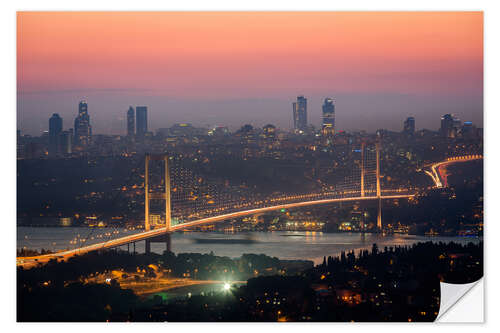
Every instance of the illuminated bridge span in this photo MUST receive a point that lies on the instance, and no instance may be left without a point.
(208, 203)
(159, 233)
(437, 170)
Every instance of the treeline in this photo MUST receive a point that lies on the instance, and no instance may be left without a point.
(29, 252)
(398, 283)
(450, 262)
(57, 291)
(193, 265)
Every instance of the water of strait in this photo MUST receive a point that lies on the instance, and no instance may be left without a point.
(282, 244)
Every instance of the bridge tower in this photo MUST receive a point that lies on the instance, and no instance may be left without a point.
(362, 169)
(379, 215)
(158, 196)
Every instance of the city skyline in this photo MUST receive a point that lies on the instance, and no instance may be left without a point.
(379, 67)
(130, 122)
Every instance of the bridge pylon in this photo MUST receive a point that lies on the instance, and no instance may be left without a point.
(379, 215)
(158, 195)
(362, 169)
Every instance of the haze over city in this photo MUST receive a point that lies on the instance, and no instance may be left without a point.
(235, 68)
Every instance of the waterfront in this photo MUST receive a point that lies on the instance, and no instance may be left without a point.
(282, 244)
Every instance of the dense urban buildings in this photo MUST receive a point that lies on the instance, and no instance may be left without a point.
(269, 132)
(83, 129)
(246, 165)
(300, 114)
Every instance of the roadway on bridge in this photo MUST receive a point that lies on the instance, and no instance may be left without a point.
(28, 262)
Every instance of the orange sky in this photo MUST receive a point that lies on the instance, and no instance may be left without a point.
(227, 55)
(58, 50)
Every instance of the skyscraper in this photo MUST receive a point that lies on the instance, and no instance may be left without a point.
(65, 142)
(457, 125)
(328, 127)
(448, 126)
(468, 130)
(141, 121)
(130, 122)
(55, 128)
(409, 126)
(300, 114)
(83, 130)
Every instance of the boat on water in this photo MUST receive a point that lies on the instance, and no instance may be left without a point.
(225, 240)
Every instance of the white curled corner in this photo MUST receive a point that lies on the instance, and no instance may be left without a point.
(461, 303)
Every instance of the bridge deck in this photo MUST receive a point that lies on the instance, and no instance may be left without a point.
(28, 262)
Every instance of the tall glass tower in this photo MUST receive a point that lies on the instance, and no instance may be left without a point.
(130, 122)
(409, 126)
(141, 121)
(300, 114)
(55, 129)
(328, 126)
(83, 130)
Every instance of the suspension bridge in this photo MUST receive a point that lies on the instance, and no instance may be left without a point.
(190, 201)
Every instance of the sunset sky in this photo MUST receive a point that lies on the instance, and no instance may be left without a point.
(227, 68)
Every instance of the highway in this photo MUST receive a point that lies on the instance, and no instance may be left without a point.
(28, 262)
(436, 174)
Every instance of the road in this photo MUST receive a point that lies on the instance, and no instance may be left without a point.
(148, 286)
(438, 173)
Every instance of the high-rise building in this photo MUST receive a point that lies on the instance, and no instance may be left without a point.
(457, 125)
(66, 142)
(45, 138)
(141, 121)
(449, 126)
(269, 131)
(328, 126)
(55, 128)
(409, 126)
(83, 130)
(268, 135)
(300, 114)
(130, 122)
(468, 130)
